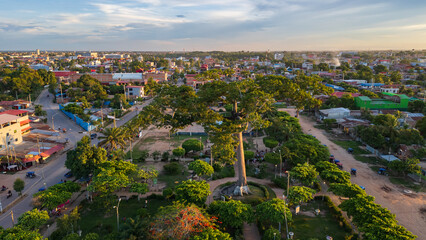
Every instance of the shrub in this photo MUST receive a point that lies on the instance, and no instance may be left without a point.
(248, 155)
(273, 158)
(192, 145)
(172, 168)
(281, 182)
(270, 142)
(269, 234)
(165, 156)
(168, 193)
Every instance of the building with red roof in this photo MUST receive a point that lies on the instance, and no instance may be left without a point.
(340, 94)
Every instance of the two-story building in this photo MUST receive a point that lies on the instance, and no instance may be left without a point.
(134, 92)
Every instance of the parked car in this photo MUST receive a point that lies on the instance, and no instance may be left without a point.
(30, 175)
(93, 136)
(68, 174)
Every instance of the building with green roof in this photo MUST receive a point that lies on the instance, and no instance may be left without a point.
(390, 101)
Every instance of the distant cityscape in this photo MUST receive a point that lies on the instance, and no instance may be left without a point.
(213, 145)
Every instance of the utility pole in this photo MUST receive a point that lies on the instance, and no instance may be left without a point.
(53, 124)
(102, 118)
(281, 162)
(62, 97)
(115, 125)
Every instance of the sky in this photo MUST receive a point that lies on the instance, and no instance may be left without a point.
(205, 25)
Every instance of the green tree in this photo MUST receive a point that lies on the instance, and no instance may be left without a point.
(386, 120)
(19, 185)
(273, 212)
(421, 126)
(201, 168)
(113, 138)
(67, 224)
(380, 68)
(336, 176)
(271, 234)
(178, 152)
(417, 106)
(270, 142)
(193, 192)
(19, 233)
(85, 159)
(305, 173)
(346, 189)
(192, 145)
(409, 165)
(232, 213)
(111, 176)
(33, 219)
(272, 157)
(211, 234)
(155, 155)
(304, 148)
(298, 194)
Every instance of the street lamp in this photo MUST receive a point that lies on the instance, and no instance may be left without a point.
(285, 217)
(288, 181)
(281, 162)
(275, 172)
(118, 215)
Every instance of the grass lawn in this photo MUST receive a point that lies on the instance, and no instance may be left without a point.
(371, 160)
(407, 183)
(316, 227)
(351, 144)
(103, 222)
(171, 180)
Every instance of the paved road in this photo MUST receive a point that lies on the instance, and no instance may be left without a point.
(405, 207)
(53, 171)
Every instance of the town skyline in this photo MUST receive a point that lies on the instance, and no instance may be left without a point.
(141, 25)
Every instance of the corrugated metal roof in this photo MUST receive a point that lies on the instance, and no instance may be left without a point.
(5, 118)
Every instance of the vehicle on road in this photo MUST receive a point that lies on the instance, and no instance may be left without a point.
(68, 174)
(382, 171)
(339, 164)
(93, 136)
(64, 130)
(9, 194)
(350, 150)
(353, 171)
(30, 175)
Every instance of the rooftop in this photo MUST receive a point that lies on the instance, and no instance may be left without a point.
(5, 118)
(13, 112)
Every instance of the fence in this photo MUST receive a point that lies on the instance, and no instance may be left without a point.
(85, 125)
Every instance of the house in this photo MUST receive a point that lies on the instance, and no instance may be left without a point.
(23, 119)
(18, 104)
(390, 88)
(128, 77)
(334, 113)
(10, 130)
(156, 75)
(135, 92)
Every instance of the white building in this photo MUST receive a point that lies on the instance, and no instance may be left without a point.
(10, 130)
(278, 56)
(389, 89)
(134, 92)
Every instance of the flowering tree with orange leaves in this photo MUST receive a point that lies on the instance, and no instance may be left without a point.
(180, 222)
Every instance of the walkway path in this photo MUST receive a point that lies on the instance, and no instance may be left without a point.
(406, 208)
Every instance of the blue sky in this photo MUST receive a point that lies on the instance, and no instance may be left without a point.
(230, 25)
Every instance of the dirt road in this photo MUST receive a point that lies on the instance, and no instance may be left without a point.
(406, 207)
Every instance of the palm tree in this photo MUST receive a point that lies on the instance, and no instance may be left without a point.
(113, 138)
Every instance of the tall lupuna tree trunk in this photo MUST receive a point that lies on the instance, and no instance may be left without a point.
(242, 186)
